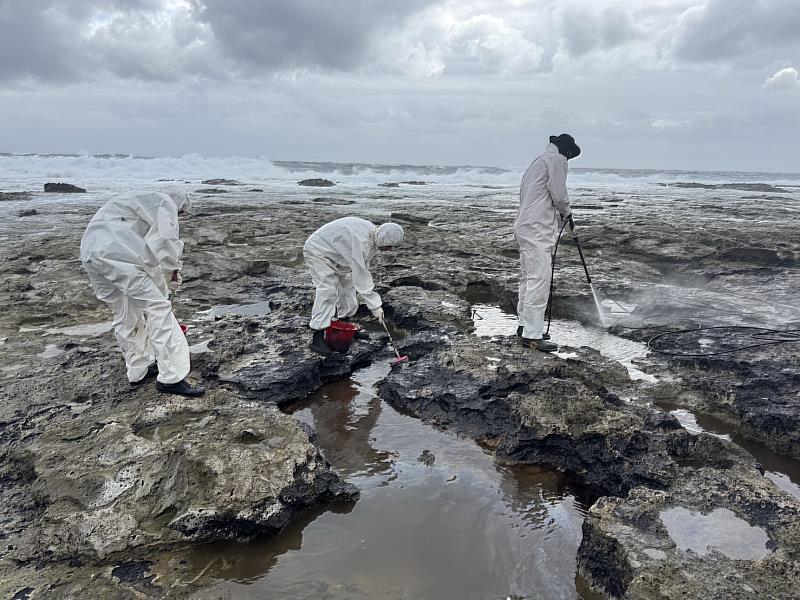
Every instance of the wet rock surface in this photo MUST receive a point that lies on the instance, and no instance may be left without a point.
(15, 196)
(95, 475)
(535, 408)
(712, 534)
(758, 392)
(412, 307)
(64, 401)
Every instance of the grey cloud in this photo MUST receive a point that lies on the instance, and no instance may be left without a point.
(726, 29)
(33, 42)
(585, 29)
(288, 34)
(56, 41)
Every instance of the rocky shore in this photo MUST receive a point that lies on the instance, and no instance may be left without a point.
(106, 490)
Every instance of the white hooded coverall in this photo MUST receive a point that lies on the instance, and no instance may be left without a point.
(128, 250)
(543, 201)
(338, 256)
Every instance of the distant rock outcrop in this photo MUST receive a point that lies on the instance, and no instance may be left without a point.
(15, 196)
(415, 182)
(316, 183)
(389, 185)
(211, 191)
(744, 187)
(221, 182)
(63, 188)
(28, 213)
(333, 201)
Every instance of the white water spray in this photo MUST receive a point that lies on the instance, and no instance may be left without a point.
(599, 305)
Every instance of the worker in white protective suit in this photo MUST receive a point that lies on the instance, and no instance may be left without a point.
(338, 256)
(131, 251)
(543, 208)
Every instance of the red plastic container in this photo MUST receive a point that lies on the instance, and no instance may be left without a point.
(339, 335)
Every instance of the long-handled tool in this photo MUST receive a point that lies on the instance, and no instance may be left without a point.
(399, 358)
(580, 250)
(549, 310)
(586, 270)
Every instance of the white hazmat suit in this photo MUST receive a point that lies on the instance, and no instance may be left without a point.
(338, 256)
(129, 250)
(543, 201)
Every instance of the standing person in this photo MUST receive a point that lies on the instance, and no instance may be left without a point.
(338, 256)
(543, 208)
(130, 250)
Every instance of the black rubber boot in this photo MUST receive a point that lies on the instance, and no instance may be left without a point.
(318, 343)
(152, 371)
(361, 335)
(540, 344)
(520, 329)
(182, 388)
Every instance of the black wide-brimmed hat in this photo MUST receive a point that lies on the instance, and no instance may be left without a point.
(566, 145)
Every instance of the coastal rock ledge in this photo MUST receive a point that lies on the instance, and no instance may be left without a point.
(175, 471)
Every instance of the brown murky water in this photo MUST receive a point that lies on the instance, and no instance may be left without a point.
(436, 519)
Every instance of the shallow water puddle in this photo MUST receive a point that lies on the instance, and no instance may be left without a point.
(200, 347)
(245, 310)
(51, 351)
(436, 519)
(720, 530)
(689, 422)
(783, 471)
(90, 330)
(492, 321)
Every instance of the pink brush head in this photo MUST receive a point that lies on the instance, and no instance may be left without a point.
(399, 359)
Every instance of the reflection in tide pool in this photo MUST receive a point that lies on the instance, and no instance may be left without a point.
(783, 471)
(460, 528)
(719, 530)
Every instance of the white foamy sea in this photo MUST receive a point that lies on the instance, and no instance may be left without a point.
(112, 172)
(617, 193)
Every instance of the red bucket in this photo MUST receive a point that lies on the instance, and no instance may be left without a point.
(339, 335)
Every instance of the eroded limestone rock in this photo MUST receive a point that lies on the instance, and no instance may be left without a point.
(712, 534)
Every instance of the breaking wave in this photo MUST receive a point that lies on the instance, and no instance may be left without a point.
(30, 170)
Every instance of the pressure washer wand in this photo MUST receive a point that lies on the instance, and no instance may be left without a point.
(580, 250)
(598, 304)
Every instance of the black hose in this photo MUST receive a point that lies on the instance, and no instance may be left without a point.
(549, 309)
(754, 333)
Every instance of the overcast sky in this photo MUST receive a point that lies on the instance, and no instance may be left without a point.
(689, 84)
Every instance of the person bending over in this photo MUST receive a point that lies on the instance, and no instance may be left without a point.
(338, 256)
(131, 250)
(543, 208)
